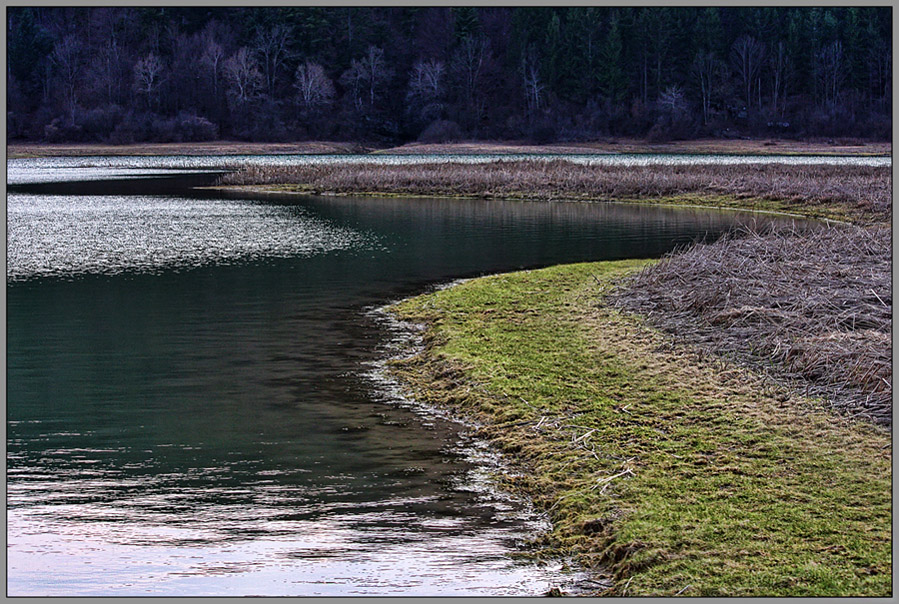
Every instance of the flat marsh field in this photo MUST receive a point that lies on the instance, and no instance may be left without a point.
(702, 146)
(705, 146)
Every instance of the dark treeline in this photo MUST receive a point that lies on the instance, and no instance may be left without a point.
(129, 74)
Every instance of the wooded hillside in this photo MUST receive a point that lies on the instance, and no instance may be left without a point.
(129, 74)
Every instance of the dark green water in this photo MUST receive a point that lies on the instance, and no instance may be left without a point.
(194, 405)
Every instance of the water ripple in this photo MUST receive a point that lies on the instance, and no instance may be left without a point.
(64, 236)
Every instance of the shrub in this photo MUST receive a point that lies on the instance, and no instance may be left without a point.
(61, 130)
(543, 132)
(195, 128)
(98, 124)
(164, 130)
(16, 124)
(441, 131)
(134, 128)
(122, 134)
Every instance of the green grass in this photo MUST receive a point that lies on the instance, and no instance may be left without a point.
(670, 472)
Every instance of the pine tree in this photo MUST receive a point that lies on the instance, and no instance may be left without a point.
(612, 77)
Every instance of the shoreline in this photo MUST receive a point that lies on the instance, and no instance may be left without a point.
(685, 202)
(604, 535)
(691, 413)
(760, 146)
(536, 406)
(858, 194)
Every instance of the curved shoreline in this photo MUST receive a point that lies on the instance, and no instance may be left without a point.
(582, 400)
(860, 194)
(588, 440)
(602, 535)
(671, 202)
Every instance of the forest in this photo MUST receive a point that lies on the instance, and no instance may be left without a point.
(125, 75)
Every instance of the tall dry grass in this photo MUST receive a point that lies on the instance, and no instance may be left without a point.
(865, 192)
(813, 309)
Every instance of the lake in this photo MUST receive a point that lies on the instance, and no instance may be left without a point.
(196, 396)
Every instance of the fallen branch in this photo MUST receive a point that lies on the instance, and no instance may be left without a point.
(608, 479)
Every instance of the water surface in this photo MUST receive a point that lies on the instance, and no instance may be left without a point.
(195, 405)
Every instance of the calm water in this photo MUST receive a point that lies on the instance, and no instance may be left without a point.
(195, 405)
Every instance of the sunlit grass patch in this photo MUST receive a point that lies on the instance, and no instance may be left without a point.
(675, 473)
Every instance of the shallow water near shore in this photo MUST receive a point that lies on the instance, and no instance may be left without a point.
(195, 405)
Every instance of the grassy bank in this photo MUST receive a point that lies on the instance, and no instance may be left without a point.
(857, 193)
(678, 473)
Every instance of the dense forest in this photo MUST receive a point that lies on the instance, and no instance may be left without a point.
(387, 74)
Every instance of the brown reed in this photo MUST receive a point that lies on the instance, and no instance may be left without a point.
(812, 310)
(865, 192)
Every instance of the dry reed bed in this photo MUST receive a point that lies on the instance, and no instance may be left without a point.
(812, 310)
(865, 191)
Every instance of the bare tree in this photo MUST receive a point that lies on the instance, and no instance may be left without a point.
(368, 74)
(108, 60)
(880, 72)
(185, 73)
(271, 46)
(103, 70)
(780, 67)
(147, 77)
(376, 71)
(831, 70)
(213, 58)
(243, 76)
(673, 101)
(747, 54)
(468, 64)
(67, 58)
(426, 80)
(708, 70)
(353, 79)
(314, 87)
(426, 90)
(533, 84)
